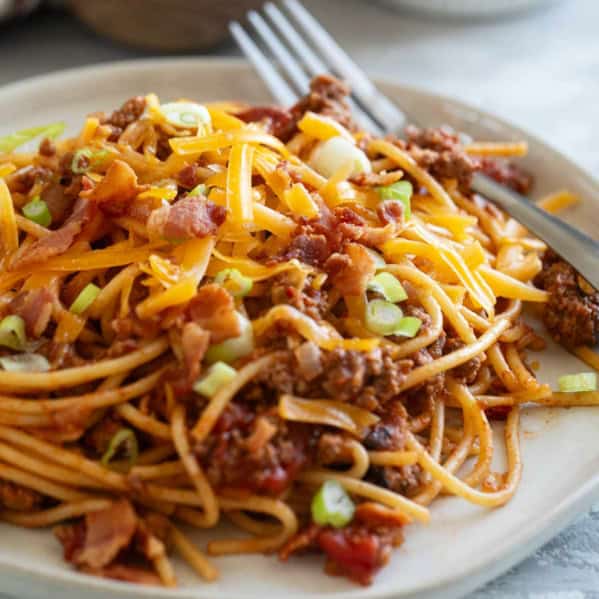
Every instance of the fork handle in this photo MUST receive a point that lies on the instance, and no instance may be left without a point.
(572, 245)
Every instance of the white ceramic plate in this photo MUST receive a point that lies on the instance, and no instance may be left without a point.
(464, 546)
(466, 8)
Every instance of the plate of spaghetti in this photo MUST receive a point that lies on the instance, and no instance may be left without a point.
(241, 344)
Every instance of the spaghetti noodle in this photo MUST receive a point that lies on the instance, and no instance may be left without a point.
(262, 315)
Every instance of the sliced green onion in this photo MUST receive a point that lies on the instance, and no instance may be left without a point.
(188, 118)
(186, 114)
(217, 376)
(234, 282)
(408, 327)
(11, 142)
(388, 286)
(93, 159)
(401, 191)
(37, 211)
(76, 165)
(383, 317)
(25, 363)
(200, 189)
(99, 156)
(123, 439)
(85, 299)
(379, 261)
(575, 383)
(329, 156)
(12, 332)
(332, 505)
(235, 348)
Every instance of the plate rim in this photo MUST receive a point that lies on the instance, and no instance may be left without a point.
(502, 557)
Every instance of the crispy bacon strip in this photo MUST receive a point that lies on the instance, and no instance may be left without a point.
(193, 216)
(213, 309)
(35, 308)
(115, 192)
(106, 533)
(58, 241)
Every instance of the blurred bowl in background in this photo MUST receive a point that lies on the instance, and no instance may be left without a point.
(171, 25)
(16, 8)
(466, 8)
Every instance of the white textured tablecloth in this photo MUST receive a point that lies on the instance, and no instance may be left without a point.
(540, 70)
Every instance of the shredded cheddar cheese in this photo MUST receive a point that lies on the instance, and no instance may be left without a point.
(239, 185)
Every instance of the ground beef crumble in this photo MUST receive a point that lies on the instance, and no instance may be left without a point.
(327, 96)
(571, 313)
(121, 118)
(234, 460)
(440, 152)
(17, 498)
(368, 380)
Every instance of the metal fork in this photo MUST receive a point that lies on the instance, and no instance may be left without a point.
(282, 36)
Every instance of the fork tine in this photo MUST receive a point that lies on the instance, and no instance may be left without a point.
(314, 65)
(278, 87)
(312, 62)
(280, 52)
(389, 116)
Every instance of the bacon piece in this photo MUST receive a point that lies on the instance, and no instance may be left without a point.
(125, 573)
(276, 120)
(35, 308)
(189, 176)
(142, 209)
(18, 498)
(390, 212)
(352, 227)
(195, 341)
(58, 241)
(95, 545)
(193, 216)
(58, 201)
(372, 236)
(309, 248)
(115, 192)
(213, 309)
(72, 538)
(350, 272)
(106, 533)
(376, 179)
